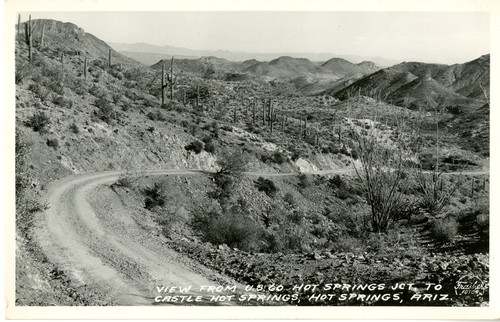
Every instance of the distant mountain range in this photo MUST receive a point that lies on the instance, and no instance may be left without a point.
(149, 54)
(416, 85)
(426, 86)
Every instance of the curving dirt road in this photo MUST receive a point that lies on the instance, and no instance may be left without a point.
(105, 251)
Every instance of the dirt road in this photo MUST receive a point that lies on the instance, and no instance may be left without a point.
(89, 234)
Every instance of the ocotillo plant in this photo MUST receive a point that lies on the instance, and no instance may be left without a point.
(305, 127)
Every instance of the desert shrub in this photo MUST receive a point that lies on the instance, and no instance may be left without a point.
(22, 71)
(116, 97)
(156, 116)
(105, 110)
(445, 230)
(279, 157)
(97, 91)
(289, 199)
(232, 162)
(209, 144)
(53, 143)
(155, 195)
(233, 227)
(55, 86)
(74, 128)
(303, 181)
(125, 182)
(39, 91)
(287, 239)
(195, 146)
(61, 101)
(336, 182)
(38, 121)
(267, 186)
(346, 243)
(434, 192)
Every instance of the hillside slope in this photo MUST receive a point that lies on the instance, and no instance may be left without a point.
(425, 86)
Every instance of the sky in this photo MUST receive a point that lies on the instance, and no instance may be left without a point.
(434, 37)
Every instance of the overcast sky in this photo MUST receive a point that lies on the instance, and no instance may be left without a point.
(429, 37)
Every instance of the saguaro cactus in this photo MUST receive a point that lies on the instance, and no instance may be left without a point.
(253, 111)
(85, 67)
(163, 85)
(263, 111)
(28, 28)
(272, 119)
(305, 127)
(340, 134)
(42, 35)
(234, 114)
(172, 78)
(18, 24)
(109, 58)
(197, 96)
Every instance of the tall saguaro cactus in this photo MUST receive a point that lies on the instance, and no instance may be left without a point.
(253, 111)
(197, 96)
(18, 24)
(172, 78)
(109, 58)
(85, 68)
(42, 36)
(28, 28)
(163, 85)
(340, 134)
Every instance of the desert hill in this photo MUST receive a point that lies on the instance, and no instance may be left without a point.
(309, 78)
(68, 38)
(421, 85)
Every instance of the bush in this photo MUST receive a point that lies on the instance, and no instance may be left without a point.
(53, 143)
(41, 92)
(154, 196)
(279, 157)
(156, 116)
(233, 227)
(195, 146)
(104, 111)
(267, 186)
(38, 121)
(445, 230)
(209, 144)
(74, 128)
(303, 181)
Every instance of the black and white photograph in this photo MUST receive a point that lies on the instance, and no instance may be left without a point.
(251, 158)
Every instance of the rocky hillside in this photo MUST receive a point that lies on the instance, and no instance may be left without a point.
(69, 39)
(456, 87)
